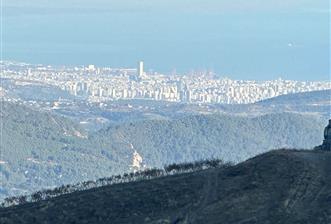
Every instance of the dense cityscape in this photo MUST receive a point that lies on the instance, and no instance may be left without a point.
(108, 84)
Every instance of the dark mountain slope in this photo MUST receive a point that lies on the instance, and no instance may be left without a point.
(277, 187)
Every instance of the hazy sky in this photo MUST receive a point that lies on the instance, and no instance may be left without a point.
(256, 39)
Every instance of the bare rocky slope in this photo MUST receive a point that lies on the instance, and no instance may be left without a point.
(277, 187)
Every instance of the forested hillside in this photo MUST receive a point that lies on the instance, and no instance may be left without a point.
(204, 136)
(42, 150)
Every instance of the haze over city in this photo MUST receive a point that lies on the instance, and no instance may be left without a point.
(255, 40)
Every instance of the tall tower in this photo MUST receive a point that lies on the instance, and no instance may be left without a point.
(140, 69)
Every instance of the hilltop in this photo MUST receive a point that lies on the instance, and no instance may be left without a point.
(277, 187)
(313, 97)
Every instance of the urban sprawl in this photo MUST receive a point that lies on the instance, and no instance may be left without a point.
(109, 84)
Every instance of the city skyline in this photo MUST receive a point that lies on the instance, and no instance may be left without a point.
(95, 84)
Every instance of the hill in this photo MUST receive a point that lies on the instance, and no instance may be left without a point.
(43, 150)
(34, 91)
(313, 97)
(314, 102)
(199, 137)
(277, 187)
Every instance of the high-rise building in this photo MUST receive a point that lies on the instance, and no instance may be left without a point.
(140, 69)
(91, 67)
